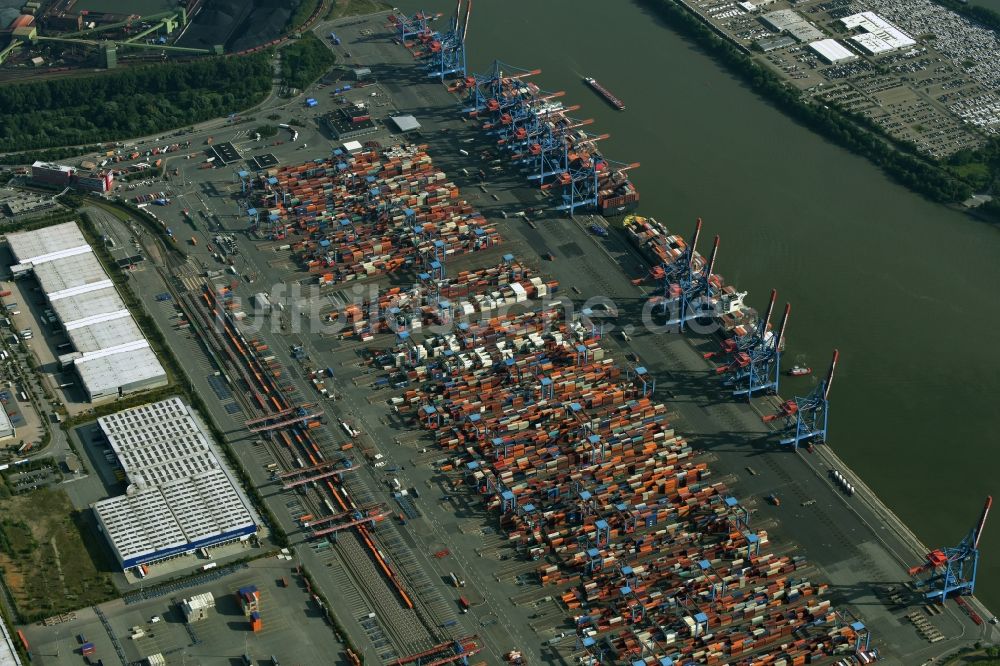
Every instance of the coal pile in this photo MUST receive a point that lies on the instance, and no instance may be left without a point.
(238, 24)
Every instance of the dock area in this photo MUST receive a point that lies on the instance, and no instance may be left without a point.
(436, 400)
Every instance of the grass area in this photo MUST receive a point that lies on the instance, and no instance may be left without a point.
(342, 8)
(974, 172)
(47, 556)
(980, 656)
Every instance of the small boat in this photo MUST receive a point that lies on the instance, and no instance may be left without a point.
(800, 371)
(774, 499)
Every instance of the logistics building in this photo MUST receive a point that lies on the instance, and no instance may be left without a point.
(96, 181)
(787, 20)
(51, 174)
(879, 35)
(58, 174)
(6, 427)
(8, 653)
(832, 51)
(111, 355)
(180, 497)
(351, 122)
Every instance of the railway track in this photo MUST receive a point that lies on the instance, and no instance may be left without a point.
(406, 629)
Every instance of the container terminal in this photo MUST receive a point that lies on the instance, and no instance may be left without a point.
(479, 473)
(612, 512)
(614, 545)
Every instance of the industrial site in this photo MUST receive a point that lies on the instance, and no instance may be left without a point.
(417, 381)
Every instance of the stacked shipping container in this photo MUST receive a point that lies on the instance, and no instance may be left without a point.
(583, 467)
(373, 212)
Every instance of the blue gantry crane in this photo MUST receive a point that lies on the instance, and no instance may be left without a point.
(582, 182)
(738, 348)
(489, 91)
(409, 26)
(807, 416)
(953, 570)
(687, 287)
(763, 371)
(447, 54)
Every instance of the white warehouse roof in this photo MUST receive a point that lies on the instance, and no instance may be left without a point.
(832, 51)
(158, 443)
(180, 497)
(116, 357)
(8, 653)
(879, 35)
(790, 21)
(406, 123)
(104, 375)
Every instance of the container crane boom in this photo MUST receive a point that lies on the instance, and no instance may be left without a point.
(829, 378)
(468, 15)
(710, 268)
(982, 520)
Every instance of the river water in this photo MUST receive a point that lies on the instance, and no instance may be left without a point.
(991, 4)
(901, 286)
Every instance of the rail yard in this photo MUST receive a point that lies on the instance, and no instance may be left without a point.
(453, 401)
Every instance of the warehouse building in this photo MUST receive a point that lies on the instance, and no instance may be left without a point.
(9, 655)
(349, 123)
(180, 497)
(51, 174)
(793, 23)
(6, 427)
(878, 36)
(832, 51)
(111, 355)
(95, 181)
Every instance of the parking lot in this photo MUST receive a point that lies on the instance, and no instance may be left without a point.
(294, 630)
(939, 94)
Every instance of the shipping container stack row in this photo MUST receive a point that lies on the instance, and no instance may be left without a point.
(582, 467)
(434, 301)
(372, 212)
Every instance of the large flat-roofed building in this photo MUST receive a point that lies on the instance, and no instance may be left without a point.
(95, 181)
(180, 497)
(793, 23)
(111, 355)
(51, 174)
(350, 122)
(6, 427)
(878, 36)
(9, 655)
(832, 51)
